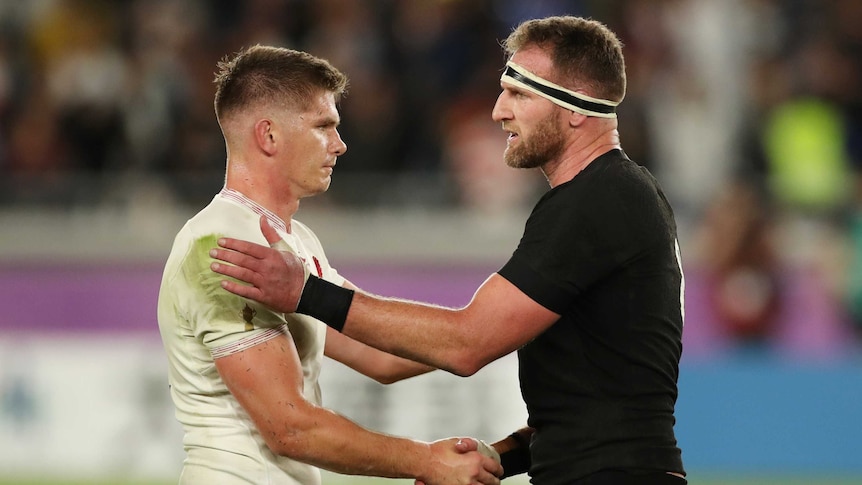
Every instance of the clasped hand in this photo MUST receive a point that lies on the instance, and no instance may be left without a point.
(462, 461)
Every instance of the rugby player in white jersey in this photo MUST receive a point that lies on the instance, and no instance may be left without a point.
(244, 378)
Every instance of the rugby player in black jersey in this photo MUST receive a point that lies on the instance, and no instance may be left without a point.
(591, 299)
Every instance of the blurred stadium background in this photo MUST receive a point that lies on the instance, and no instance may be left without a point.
(748, 111)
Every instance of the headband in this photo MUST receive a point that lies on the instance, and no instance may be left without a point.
(577, 102)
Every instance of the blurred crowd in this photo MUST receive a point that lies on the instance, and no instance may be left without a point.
(748, 111)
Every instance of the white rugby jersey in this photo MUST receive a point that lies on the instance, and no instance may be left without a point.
(199, 321)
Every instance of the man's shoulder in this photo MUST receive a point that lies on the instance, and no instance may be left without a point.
(300, 227)
(201, 233)
(306, 235)
(616, 176)
(225, 218)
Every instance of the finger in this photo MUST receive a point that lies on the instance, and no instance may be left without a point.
(269, 233)
(244, 275)
(237, 259)
(245, 291)
(492, 466)
(487, 478)
(275, 241)
(466, 444)
(246, 247)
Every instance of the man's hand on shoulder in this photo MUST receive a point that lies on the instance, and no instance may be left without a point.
(274, 275)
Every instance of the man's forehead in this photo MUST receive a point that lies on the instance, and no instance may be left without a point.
(535, 60)
(320, 105)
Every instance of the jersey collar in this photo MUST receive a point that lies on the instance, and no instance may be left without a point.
(241, 199)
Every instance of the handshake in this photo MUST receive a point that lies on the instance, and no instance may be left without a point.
(448, 465)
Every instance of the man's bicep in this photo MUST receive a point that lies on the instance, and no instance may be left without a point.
(510, 318)
(265, 378)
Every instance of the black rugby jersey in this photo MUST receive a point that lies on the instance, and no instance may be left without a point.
(600, 384)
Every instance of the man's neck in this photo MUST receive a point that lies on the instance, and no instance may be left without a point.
(265, 195)
(577, 158)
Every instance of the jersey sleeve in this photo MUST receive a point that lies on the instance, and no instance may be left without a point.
(218, 318)
(542, 290)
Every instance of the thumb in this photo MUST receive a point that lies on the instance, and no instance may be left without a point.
(269, 233)
(276, 242)
(465, 445)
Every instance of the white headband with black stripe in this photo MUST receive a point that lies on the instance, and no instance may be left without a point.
(577, 102)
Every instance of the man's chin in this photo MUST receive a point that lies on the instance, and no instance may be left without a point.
(323, 187)
(512, 160)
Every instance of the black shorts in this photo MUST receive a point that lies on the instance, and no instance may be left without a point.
(619, 477)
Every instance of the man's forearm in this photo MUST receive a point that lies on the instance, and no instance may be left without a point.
(424, 333)
(336, 443)
(498, 320)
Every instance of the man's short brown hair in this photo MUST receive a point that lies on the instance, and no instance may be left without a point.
(273, 75)
(585, 53)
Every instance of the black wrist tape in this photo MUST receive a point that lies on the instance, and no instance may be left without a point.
(515, 461)
(325, 301)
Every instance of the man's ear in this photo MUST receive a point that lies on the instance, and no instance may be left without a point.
(576, 119)
(264, 136)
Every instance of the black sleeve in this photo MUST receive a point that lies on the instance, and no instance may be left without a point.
(534, 285)
(515, 461)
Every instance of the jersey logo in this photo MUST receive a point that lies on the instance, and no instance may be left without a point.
(248, 314)
(317, 266)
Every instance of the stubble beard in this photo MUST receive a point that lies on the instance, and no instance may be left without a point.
(544, 145)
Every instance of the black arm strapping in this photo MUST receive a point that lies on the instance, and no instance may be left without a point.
(325, 301)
